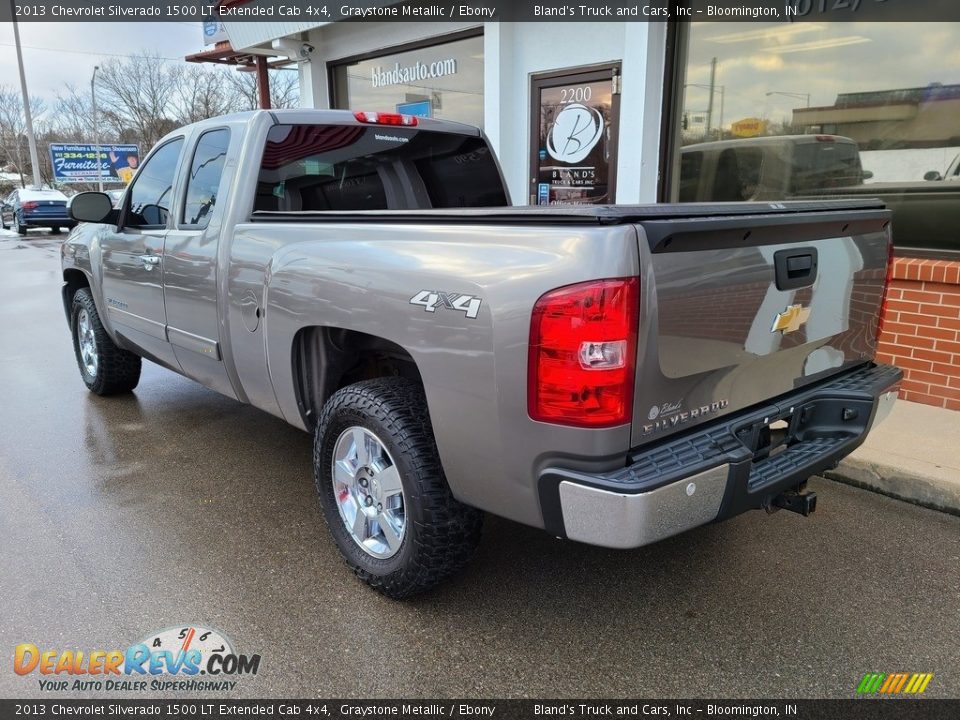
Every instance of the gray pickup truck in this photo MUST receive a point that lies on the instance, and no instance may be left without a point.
(612, 374)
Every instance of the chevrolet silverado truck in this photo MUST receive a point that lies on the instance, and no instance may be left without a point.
(613, 374)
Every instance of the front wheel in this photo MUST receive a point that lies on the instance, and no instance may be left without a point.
(384, 495)
(105, 368)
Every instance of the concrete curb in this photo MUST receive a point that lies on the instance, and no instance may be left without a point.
(899, 484)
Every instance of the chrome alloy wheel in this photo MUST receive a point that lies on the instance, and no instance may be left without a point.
(368, 491)
(88, 343)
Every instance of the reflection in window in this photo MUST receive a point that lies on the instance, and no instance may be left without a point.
(152, 191)
(776, 111)
(204, 181)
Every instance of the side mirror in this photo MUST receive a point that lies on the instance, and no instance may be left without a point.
(92, 207)
(867, 174)
(932, 175)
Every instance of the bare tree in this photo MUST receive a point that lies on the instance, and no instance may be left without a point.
(202, 92)
(284, 89)
(137, 97)
(13, 128)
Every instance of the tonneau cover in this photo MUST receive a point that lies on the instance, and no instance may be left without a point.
(574, 214)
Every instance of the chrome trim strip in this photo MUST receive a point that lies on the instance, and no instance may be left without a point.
(196, 343)
(137, 322)
(615, 520)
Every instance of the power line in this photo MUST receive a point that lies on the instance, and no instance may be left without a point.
(89, 52)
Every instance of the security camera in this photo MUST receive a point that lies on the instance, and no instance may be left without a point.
(306, 50)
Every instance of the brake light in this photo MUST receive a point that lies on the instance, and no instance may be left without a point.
(583, 344)
(379, 118)
(825, 138)
(886, 289)
(29, 206)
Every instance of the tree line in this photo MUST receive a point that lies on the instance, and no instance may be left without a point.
(139, 100)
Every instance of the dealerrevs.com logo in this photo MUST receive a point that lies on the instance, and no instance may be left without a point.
(186, 657)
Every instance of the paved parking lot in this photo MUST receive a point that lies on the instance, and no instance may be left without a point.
(172, 505)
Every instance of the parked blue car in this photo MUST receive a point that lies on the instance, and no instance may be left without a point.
(24, 209)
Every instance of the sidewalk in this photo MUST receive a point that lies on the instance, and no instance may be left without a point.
(914, 455)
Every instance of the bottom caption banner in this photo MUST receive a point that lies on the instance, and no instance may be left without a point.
(803, 709)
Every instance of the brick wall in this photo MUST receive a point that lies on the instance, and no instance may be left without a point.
(921, 332)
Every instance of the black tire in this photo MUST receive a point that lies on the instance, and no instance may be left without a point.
(55, 231)
(441, 534)
(20, 229)
(117, 371)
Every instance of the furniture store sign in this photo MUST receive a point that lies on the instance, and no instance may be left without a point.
(410, 74)
(73, 163)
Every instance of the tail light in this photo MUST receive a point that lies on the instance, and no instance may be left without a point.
(379, 118)
(29, 206)
(886, 290)
(583, 341)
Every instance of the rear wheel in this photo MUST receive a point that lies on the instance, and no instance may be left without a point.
(17, 227)
(55, 231)
(384, 495)
(105, 368)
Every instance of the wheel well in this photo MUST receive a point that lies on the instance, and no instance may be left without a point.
(326, 359)
(73, 280)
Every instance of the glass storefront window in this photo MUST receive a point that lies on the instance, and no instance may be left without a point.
(443, 80)
(774, 111)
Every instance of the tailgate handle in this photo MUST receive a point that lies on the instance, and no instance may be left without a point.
(795, 268)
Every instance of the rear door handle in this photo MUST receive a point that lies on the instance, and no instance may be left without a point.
(150, 261)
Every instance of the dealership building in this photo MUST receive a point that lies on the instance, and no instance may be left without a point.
(641, 112)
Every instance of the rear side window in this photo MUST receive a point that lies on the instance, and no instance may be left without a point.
(205, 173)
(825, 164)
(345, 167)
(152, 192)
(691, 164)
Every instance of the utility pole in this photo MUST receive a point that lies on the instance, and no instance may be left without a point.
(31, 140)
(96, 128)
(713, 80)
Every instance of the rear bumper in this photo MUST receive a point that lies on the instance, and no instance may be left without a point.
(715, 472)
(48, 221)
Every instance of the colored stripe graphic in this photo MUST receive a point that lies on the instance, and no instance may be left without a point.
(894, 683)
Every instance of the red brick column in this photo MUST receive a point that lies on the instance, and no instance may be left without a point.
(921, 332)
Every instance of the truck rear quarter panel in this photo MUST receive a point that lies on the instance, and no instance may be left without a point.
(362, 277)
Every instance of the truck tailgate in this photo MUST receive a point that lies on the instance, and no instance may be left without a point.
(739, 310)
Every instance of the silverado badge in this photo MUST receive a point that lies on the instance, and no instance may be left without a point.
(791, 319)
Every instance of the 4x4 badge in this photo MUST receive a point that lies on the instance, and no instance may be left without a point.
(432, 299)
(791, 319)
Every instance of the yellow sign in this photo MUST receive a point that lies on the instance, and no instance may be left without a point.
(748, 127)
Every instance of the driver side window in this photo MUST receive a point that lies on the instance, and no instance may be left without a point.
(151, 195)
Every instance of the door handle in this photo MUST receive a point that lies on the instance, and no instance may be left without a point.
(795, 268)
(150, 261)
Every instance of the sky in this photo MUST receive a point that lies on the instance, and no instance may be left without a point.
(59, 53)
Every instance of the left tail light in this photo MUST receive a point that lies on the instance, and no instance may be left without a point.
(29, 206)
(583, 344)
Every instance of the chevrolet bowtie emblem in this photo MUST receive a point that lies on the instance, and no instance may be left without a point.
(791, 319)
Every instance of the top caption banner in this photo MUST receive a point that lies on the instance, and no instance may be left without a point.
(307, 11)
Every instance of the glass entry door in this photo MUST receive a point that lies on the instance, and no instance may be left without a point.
(575, 122)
